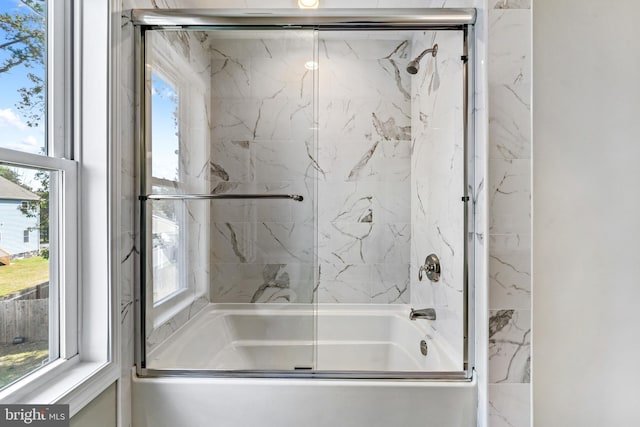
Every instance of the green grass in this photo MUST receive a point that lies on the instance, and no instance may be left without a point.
(18, 360)
(22, 274)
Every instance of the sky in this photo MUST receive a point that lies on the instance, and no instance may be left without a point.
(14, 131)
(15, 134)
(164, 145)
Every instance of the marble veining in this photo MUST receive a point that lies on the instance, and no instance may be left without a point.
(510, 271)
(357, 169)
(274, 282)
(512, 4)
(510, 84)
(510, 196)
(510, 346)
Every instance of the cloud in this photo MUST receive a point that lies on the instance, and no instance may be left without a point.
(9, 118)
(30, 144)
(32, 141)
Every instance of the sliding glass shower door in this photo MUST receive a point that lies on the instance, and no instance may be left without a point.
(391, 143)
(230, 189)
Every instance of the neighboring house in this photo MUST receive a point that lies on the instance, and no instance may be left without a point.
(19, 234)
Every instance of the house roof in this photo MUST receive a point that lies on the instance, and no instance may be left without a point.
(12, 191)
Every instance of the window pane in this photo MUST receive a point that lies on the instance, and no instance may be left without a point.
(164, 131)
(22, 75)
(166, 218)
(25, 310)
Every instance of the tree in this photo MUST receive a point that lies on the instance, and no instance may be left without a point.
(24, 33)
(25, 42)
(12, 176)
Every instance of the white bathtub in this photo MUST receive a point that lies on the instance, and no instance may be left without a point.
(337, 338)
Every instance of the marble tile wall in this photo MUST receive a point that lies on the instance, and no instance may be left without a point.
(437, 184)
(262, 141)
(364, 137)
(509, 55)
(355, 175)
(125, 240)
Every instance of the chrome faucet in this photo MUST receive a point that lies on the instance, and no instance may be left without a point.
(423, 313)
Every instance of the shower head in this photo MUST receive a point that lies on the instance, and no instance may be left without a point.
(414, 66)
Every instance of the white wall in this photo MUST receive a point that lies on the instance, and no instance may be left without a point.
(586, 263)
(100, 412)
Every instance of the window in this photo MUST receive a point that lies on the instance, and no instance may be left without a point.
(35, 164)
(54, 117)
(176, 144)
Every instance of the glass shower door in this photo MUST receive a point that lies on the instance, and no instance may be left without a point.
(392, 155)
(230, 188)
(294, 183)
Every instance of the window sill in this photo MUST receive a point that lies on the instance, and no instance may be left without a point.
(168, 308)
(76, 385)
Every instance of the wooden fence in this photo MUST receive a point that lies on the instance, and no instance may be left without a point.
(24, 318)
(40, 291)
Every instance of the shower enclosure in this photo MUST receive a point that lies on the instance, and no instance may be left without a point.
(306, 207)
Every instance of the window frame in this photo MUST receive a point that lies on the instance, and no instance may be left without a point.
(79, 113)
(174, 71)
(63, 300)
(63, 193)
(164, 307)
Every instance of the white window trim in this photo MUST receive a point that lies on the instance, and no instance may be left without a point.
(167, 307)
(78, 379)
(172, 68)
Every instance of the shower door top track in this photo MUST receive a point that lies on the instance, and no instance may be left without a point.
(320, 18)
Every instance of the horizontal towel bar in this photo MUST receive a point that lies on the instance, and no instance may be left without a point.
(296, 197)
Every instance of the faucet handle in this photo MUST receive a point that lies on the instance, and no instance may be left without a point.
(431, 267)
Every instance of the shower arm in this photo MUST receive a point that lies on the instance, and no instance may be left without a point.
(432, 50)
(296, 197)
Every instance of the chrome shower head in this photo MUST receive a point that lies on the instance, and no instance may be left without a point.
(414, 66)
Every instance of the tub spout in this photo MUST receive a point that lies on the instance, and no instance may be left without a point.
(423, 313)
